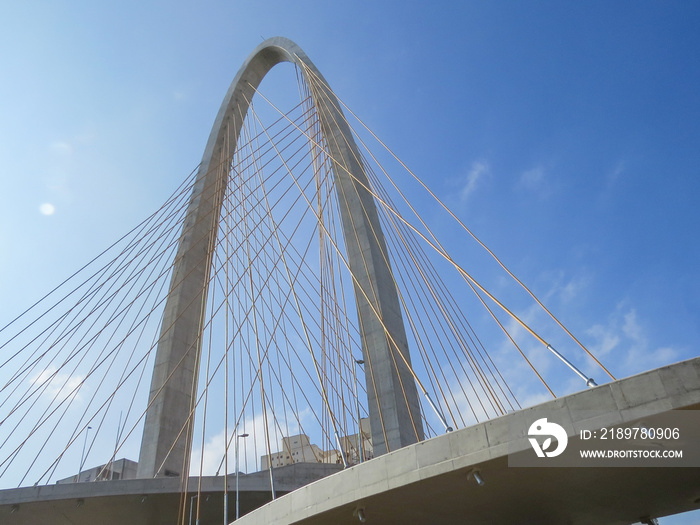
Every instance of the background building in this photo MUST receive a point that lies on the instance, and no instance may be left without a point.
(299, 449)
(119, 469)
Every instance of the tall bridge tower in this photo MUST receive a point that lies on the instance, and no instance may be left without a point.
(393, 400)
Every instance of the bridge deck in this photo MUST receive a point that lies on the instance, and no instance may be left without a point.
(429, 482)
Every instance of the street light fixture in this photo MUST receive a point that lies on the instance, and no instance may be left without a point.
(475, 474)
(192, 506)
(82, 456)
(237, 498)
(360, 437)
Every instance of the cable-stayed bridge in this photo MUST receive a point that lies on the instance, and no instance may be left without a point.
(289, 314)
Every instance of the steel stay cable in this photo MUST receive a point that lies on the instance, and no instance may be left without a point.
(79, 350)
(465, 323)
(310, 348)
(348, 344)
(257, 347)
(468, 276)
(476, 367)
(417, 379)
(386, 205)
(291, 245)
(423, 269)
(428, 364)
(131, 403)
(150, 288)
(268, 101)
(102, 303)
(475, 238)
(329, 300)
(273, 335)
(320, 98)
(444, 316)
(195, 374)
(326, 299)
(374, 294)
(141, 363)
(169, 378)
(365, 295)
(88, 294)
(457, 311)
(369, 356)
(115, 243)
(304, 304)
(98, 388)
(371, 306)
(149, 403)
(74, 392)
(70, 395)
(283, 310)
(226, 207)
(306, 275)
(210, 379)
(47, 383)
(132, 428)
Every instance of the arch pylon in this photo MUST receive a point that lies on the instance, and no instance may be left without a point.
(392, 397)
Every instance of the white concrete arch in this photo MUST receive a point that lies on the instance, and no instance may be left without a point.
(173, 386)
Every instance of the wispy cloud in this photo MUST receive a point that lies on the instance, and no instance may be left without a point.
(564, 287)
(625, 342)
(61, 148)
(611, 180)
(55, 385)
(607, 338)
(532, 178)
(60, 165)
(616, 172)
(470, 181)
(251, 448)
(632, 329)
(535, 180)
(572, 288)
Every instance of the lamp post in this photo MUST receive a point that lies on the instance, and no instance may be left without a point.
(360, 437)
(192, 506)
(82, 456)
(237, 498)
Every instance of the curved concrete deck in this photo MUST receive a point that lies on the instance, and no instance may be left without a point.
(429, 482)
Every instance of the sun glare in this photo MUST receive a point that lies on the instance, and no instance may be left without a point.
(47, 209)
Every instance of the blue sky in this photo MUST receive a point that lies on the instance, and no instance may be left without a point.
(565, 135)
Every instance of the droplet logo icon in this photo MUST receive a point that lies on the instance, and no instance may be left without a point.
(541, 428)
